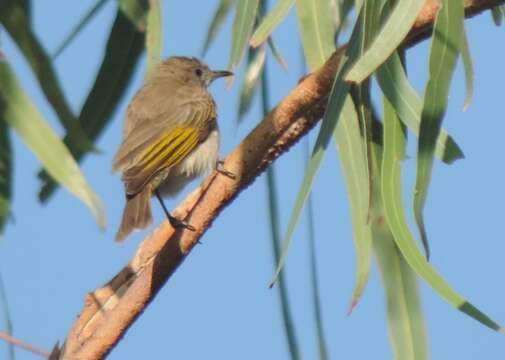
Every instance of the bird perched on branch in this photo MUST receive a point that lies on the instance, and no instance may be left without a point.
(170, 136)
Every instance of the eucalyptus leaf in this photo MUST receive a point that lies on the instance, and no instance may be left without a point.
(353, 159)
(317, 31)
(407, 331)
(468, 67)
(217, 21)
(78, 28)
(135, 11)
(15, 21)
(154, 36)
(254, 67)
(122, 53)
(448, 32)
(5, 170)
(28, 123)
(388, 39)
(408, 105)
(391, 189)
(270, 22)
(245, 14)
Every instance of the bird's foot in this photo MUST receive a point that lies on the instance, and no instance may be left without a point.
(178, 224)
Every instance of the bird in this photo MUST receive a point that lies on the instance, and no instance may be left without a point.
(170, 137)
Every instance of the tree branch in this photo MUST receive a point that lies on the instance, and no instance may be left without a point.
(110, 310)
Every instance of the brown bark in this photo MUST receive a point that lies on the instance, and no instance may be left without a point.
(110, 310)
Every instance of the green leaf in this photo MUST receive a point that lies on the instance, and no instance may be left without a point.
(468, 66)
(122, 53)
(407, 104)
(5, 171)
(497, 14)
(342, 10)
(16, 23)
(317, 31)
(353, 159)
(447, 36)
(136, 12)
(273, 212)
(154, 37)
(388, 39)
(28, 123)
(314, 281)
(405, 321)
(334, 109)
(217, 21)
(277, 54)
(82, 23)
(356, 159)
(255, 61)
(339, 104)
(394, 149)
(245, 13)
(270, 22)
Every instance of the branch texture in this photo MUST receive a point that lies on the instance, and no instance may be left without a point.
(110, 310)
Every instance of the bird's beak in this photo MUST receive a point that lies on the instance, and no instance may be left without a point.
(221, 73)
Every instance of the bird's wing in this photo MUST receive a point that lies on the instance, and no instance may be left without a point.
(158, 144)
(168, 151)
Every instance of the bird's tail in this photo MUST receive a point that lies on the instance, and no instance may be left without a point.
(136, 214)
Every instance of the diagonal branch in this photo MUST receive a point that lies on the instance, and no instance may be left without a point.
(110, 310)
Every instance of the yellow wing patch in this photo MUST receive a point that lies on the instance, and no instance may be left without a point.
(170, 149)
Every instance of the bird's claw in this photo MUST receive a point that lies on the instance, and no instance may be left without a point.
(178, 224)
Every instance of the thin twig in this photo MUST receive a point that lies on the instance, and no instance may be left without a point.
(22, 344)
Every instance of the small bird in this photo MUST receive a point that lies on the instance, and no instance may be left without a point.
(170, 137)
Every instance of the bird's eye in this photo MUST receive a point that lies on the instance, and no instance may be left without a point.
(198, 72)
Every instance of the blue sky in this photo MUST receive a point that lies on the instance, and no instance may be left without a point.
(218, 304)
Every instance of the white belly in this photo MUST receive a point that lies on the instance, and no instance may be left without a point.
(200, 162)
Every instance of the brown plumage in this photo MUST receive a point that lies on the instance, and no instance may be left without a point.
(170, 136)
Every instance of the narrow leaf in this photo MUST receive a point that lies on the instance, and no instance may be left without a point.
(325, 133)
(314, 281)
(270, 22)
(407, 332)
(447, 35)
(277, 54)
(16, 23)
(80, 25)
(274, 214)
(405, 321)
(394, 148)
(356, 159)
(154, 37)
(388, 39)
(5, 171)
(339, 104)
(497, 15)
(217, 20)
(468, 66)
(255, 61)
(123, 50)
(317, 31)
(245, 13)
(135, 11)
(353, 159)
(407, 104)
(28, 123)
